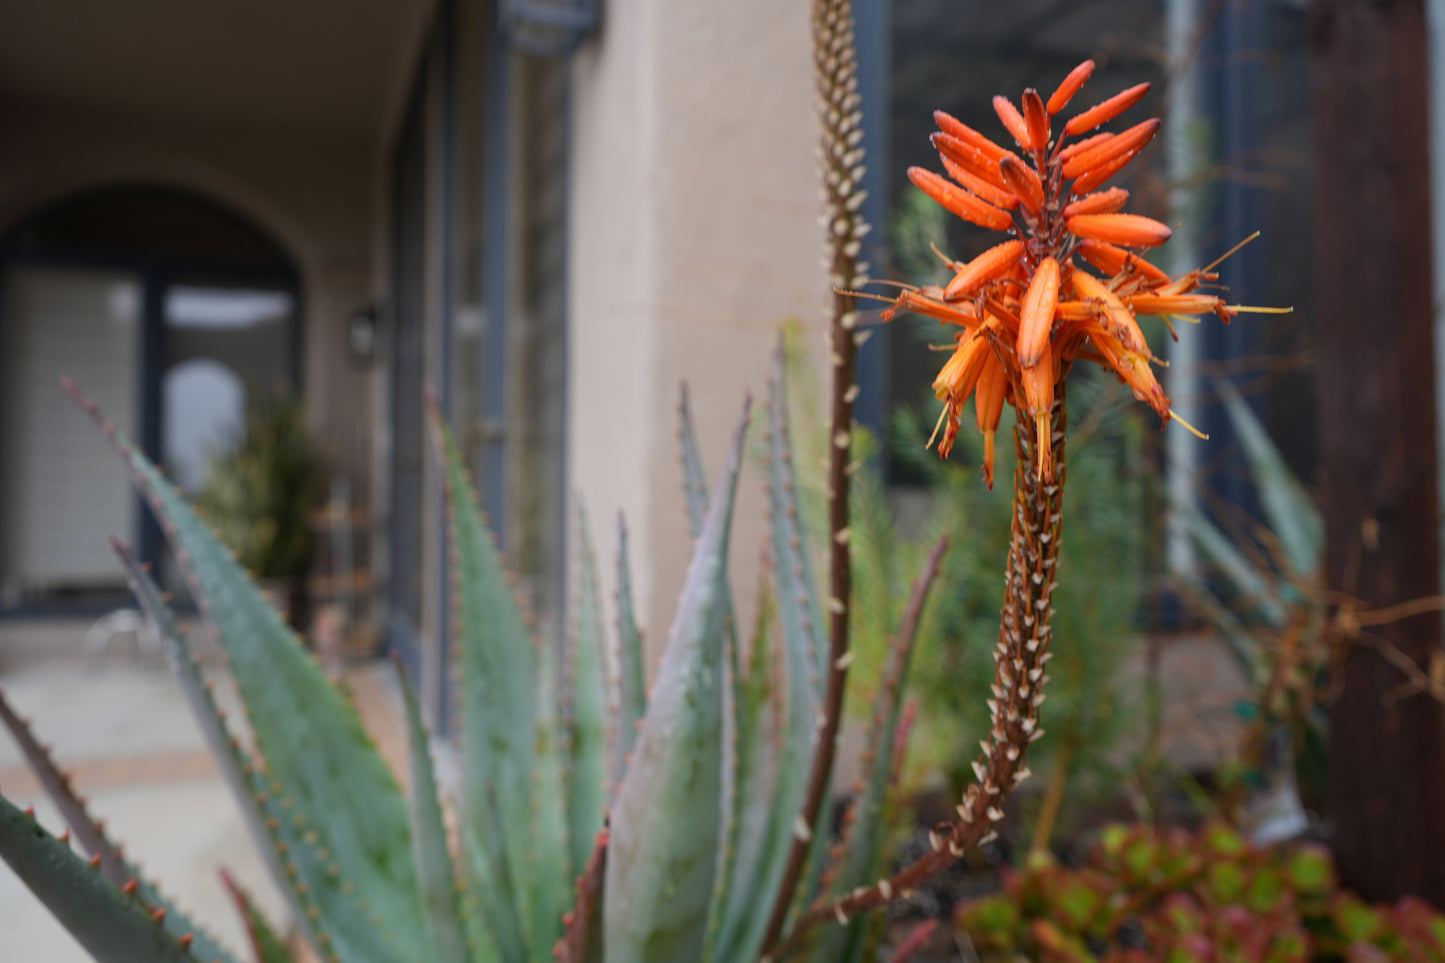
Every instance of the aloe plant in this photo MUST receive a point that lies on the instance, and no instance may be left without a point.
(704, 837)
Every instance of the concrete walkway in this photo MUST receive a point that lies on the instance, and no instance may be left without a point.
(124, 731)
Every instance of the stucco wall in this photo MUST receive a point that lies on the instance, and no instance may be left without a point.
(312, 192)
(694, 235)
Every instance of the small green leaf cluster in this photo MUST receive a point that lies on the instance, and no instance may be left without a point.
(1207, 897)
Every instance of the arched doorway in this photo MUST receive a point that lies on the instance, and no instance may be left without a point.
(167, 308)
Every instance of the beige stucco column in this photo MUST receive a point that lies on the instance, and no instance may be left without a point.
(694, 234)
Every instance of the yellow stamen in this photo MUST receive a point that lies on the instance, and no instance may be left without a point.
(1190, 428)
(1251, 309)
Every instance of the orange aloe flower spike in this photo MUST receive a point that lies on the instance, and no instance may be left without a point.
(1036, 316)
(996, 196)
(1070, 86)
(956, 128)
(1036, 119)
(1106, 111)
(1115, 260)
(988, 266)
(1128, 142)
(1125, 325)
(1024, 183)
(1128, 230)
(1013, 121)
(1104, 202)
(988, 403)
(959, 201)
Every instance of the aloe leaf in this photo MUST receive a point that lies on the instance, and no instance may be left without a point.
(549, 856)
(104, 853)
(313, 742)
(756, 883)
(752, 765)
(113, 926)
(58, 787)
(664, 837)
(265, 944)
(582, 942)
(587, 769)
(632, 676)
(434, 867)
(859, 853)
(798, 603)
(496, 691)
(498, 914)
(322, 900)
(1247, 579)
(694, 476)
(1293, 515)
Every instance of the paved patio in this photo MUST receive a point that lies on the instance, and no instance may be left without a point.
(122, 727)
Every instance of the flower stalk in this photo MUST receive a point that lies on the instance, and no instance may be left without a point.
(835, 66)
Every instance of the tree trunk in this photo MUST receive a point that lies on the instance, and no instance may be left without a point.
(1378, 434)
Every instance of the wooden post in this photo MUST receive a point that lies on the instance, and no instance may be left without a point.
(1378, 434)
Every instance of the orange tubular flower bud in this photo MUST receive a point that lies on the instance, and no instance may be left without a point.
(919, 302)
(1013, 121)
(988, 266)
(1175, 304)
(1115, 147)
(1038, 384)
(1107, 111)
(954, 127)
(960, 373)
(1133, 369)
(1036, 118)
(1125, 326)
(1036, 316)
(961, 202)
(1087, 182)
(972, 159)
(996, 196)
(988, 402)
(1080, 146)
(1076, 79)
(1115, 260)
(1128, 230)
(1104, 202)
(1024, 182)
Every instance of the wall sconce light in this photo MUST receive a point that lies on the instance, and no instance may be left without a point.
(361, 335)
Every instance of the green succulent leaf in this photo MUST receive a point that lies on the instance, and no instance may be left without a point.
(434, 868)
(497, 696)
(632, 677)
(1293, 516)
(265, 944)
(112, 926)
(313, 742)
(664, 831)
(323, 902)
(548, 855)
(755, 881)
(1246, 578)
(858, 863)
(587, 725)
